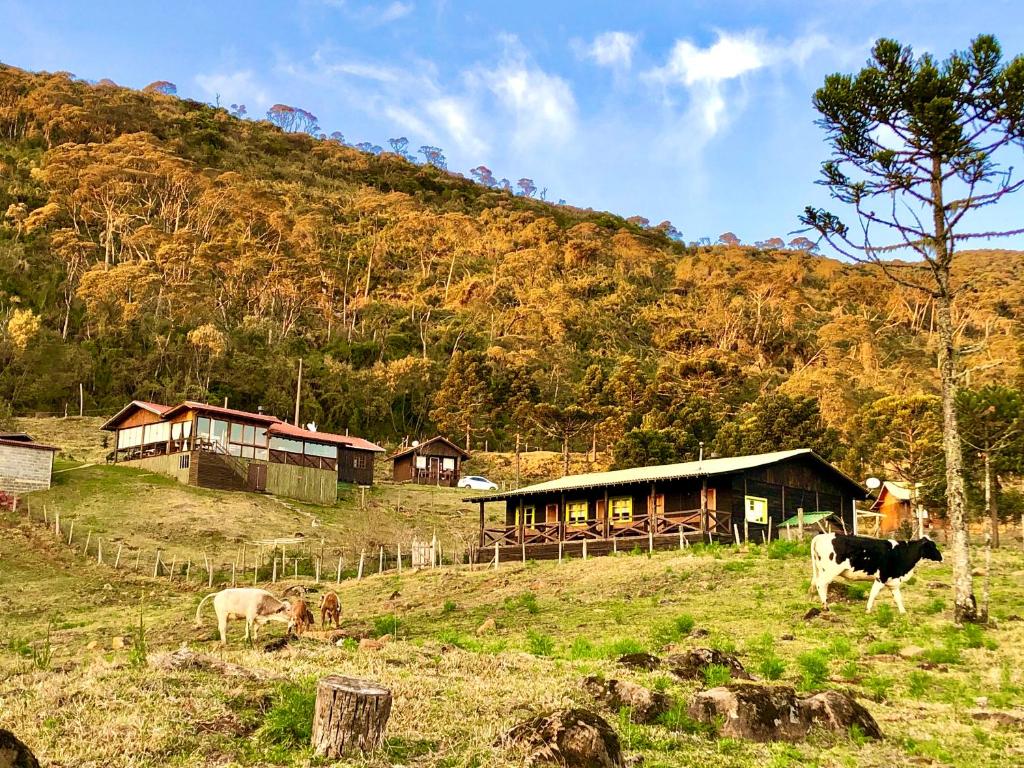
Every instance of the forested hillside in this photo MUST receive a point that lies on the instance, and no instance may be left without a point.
(160, 248)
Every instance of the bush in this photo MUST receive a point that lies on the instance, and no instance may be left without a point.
(288, 723)
(622, 647)
(947, 654)
(879, 687)
(771, 667)
(716, 675)
(137, 654)
(917, 683)
(678, 720)
(669, 632)
(581, 648)
(813, 669)
(448, 607)
(780, 549)
(935, 605)
(883, 648)
(884, 615)
(527, 600)
(539, 644)
(385, 625)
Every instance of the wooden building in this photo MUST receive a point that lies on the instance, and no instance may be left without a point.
(355, 461)
(25, 465)
(214, 447)
(437, 461)
(895, 508)
(658, 507)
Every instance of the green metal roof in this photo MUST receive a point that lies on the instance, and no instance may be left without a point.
(810, 518)
(705, 468)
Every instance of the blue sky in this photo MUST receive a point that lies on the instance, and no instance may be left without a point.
(697, 112)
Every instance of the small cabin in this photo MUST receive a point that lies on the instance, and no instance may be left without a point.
(665, 506)
(437, 461)
(355, 461)
(25, 465)
(894, 507)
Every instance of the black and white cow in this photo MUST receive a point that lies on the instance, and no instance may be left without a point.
(860, 558)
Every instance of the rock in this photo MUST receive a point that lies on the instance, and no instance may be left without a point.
(646, 661)
(981, 701)
(700, 632)
(691, 665)
(911, 652)
(395, 595)
(1001, 718)
(119, 642)
(368, 644)
(276, 644)
(14, 753)
(489, 625)
(754, 712)
(93, 645)
(812, 613)
(385, 639)
(183, 658)
(1014, 617)
(937, 585)
(838, 711)
(644, 704)
(776, 713)
(787, 637)
(574, 738)
(296, 590)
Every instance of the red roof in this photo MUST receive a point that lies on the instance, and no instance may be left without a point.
(289, 430)
(156, 408)
(363, 445)
(216, 409)
(23, 444)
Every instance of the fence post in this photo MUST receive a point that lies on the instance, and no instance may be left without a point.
(584, 549)
(188, 569)
(255, 571)
(56, 524)
(339, 569)
(174, 562)
(317, 579)
(99, 550)
(71, 532)
(380, 566)
(117, 560)
(88, 538)
(559, 551)
(362, 557)
(138, 560)
(273, 578)
(496, 556)
(399, 558)
(736, 533)
(800, 522)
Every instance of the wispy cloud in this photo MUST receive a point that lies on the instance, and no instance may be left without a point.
(611, 49)
(235, 87)
(373, 13)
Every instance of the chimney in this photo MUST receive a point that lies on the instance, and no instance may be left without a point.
(259, 409)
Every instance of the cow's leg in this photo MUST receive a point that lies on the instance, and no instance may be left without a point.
(898, 597)
(876, 587)
(822, 587)
(249, 630)
(222, 627)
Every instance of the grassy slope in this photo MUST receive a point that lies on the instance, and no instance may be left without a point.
(456, 692)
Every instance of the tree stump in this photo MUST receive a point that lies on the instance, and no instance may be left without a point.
(350, 714)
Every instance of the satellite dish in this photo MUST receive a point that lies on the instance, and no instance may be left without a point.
(415, 443)
(311, 426)
(873, 483)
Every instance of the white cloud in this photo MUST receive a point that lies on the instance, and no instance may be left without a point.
(455, 115)
(612, 49)
(373, 13)
(238, 87)
(394, 11)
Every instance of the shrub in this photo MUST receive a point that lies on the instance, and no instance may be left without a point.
(879, 687)
(678, 720)
(527, 601)
(385, 625)
(884, 615)
(883, 648)
(454, 637)
(581, 648)
(935, 605)
(288, 723)
(842, 648)
(448, 607)
(671, 631)
(716, 675)
(771, 667)
(539, 644)
(138, 652)
(917, 683)
(813, 669)
(622, 647)
(850, 670)
(857, 590)
(779, 549)
(947, 654)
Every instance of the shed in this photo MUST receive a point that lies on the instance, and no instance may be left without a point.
(355, 461)
(437, 461)
(25, 465)
(895, 504)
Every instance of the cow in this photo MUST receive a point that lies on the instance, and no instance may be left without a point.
(330, 608)
(256, 606)
(861, 558)
(300, 618)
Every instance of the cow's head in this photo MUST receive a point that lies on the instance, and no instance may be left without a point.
(929, 550)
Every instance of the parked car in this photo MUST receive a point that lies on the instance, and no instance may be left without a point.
(477, 483)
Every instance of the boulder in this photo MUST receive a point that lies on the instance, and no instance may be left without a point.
(839, 711)
(184, 659)
(911, 652)
(753, 712)
(644, 704)
(488, 626)
(368, 644)
(691, 665)
(13, 753)
(574, 738)
(645, 661)
(776, 713)
(1012, 719)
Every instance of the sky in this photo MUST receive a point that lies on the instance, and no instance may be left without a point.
(697, 112)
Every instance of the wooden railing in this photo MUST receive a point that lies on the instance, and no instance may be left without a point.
(718, 522)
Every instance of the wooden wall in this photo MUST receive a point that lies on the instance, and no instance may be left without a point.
(348, 473)
(319, 486)
(165, 465)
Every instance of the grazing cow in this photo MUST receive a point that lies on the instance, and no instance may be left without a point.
(860, 558)
(256, 606)
(301, 619)
(330, 608)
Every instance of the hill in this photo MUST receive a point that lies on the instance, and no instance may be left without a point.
(158, 247)
(79, 698)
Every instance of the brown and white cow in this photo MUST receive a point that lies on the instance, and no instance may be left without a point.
(330, 608)
(256, 606)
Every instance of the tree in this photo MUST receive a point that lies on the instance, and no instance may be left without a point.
(399, 146)
(237, 110)
(644, 448)
(728, 238)
(803, 243)
(461, 402)
(564, 422)
(526, 187)
(166, 87)
(293, 119)
(992, 425)
(434, 156)
(900, 436)
(917, 146)
(482, 175)
(777, 422)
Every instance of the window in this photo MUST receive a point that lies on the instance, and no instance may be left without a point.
(360, 461)
(219, 432)
(421, 462)
(529, 516)
(203, 427)
(249, 435)
(286, 445)
(756, 508)
(184, 461)
(129, 438)
(576, 512)
(448, 465)
(158, 433)
(236, 433)
(621, 509)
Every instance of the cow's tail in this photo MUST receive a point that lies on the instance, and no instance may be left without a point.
(200, 607)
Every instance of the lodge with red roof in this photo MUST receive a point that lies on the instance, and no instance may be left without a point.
(214, 447)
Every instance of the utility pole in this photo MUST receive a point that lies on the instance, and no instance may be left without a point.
(298, 393)
(81, 400)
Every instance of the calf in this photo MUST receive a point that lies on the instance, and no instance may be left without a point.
(300, 618)
(330, 608)
(256, 606)
(860, 558)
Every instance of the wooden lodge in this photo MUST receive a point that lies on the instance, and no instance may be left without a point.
(437, 461)
(894, 509)
(667, 506)
(213, 447)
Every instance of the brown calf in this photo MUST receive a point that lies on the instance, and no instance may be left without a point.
(330, 608)
(300, 619)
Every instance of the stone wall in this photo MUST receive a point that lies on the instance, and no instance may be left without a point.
(24, 469)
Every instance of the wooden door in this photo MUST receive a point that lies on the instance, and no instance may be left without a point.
(257, 480)
(712, 499)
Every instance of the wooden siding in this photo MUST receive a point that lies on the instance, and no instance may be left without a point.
(165, 465)
(348, 472)
(319, 486)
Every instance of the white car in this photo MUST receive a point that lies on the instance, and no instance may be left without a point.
(477, 483)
